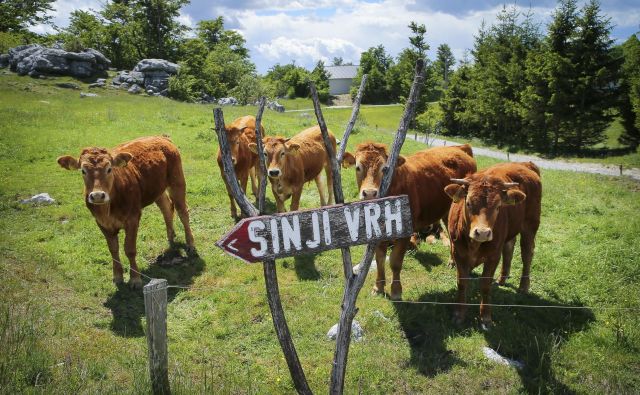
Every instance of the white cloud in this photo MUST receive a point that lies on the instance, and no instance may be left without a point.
(307, 51)
(62, 12)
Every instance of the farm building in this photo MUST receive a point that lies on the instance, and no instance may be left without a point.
(341, 78)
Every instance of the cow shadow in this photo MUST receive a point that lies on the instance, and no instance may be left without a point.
(127, 305)
(527, 335)
(427, 259)
(305, 267)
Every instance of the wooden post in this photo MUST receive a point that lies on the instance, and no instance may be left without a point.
(352, 121)
(355, 282)
(620, 169)
(261, 158)
(270, 279)
(155, 306)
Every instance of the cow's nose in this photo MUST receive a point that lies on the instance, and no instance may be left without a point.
(369, 193)
(274, 172)
(482, 234)
(97, 197)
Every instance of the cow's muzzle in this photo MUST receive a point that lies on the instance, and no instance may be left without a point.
(481, 234)
(98, 197)
(367, 194)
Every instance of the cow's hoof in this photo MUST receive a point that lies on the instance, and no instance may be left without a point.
(118, 280)
(377, 290)
(191, 252)
(502, 282)
(135, 283)
(395, 296)
(523, 290)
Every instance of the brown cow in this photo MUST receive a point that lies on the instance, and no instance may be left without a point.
(294, 161)
(240, 133)
(120, 182)
(490, 209)
(422, 176)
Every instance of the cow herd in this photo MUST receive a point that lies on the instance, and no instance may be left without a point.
(484, 210)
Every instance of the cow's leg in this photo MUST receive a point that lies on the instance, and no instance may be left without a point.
(463, 270)
(279, 200)
(527, 245)
(178, 197)
(323, 197)
(113, 245)
(232, 203)
(507, 256)
(488, 271)
(381, 257)
(166, 207)
(130, 237)
(396, 258)
(243, 178)
(295, 198)
(254, 180)
(444, 234)
(329, 183)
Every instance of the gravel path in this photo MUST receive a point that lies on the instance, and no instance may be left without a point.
(595, 168)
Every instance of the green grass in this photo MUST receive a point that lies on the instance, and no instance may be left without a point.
(64, 327)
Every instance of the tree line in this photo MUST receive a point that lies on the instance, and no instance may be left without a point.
(553, 93)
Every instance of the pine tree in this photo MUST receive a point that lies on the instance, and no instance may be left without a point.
(445, 61)
(595, 92)
(630, 92)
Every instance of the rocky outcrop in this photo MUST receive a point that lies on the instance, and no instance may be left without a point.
(35, 60)
(228, 101)
(275, 106)
(152, 74)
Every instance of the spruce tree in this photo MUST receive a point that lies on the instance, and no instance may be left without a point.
(630, 93)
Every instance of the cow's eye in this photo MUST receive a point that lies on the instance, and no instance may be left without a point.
(108, 170)
(84, 172)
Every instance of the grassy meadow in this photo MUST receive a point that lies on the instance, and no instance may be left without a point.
(65, 328)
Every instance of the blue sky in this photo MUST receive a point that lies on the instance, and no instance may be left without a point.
(305, 31)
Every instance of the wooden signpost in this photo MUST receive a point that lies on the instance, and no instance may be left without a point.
(310, 231)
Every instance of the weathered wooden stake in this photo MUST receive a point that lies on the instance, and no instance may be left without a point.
(352, 120)
(270, 278)
(155, 306)
(354, 282)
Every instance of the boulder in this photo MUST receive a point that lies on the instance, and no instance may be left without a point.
(155, 65)
(41, 198)
(83, 95)
(275, 106)
(228, 101)
(35, 60)
(356, 331)
(135, 89)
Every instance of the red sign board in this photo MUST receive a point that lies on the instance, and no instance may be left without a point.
(257, 239)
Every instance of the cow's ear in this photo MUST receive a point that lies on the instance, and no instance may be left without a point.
(253, 147)
(513, 196)
(68, 162)
(401, 160)
(348, 160)
(456, 192)
(292, 147)
(121, 159)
